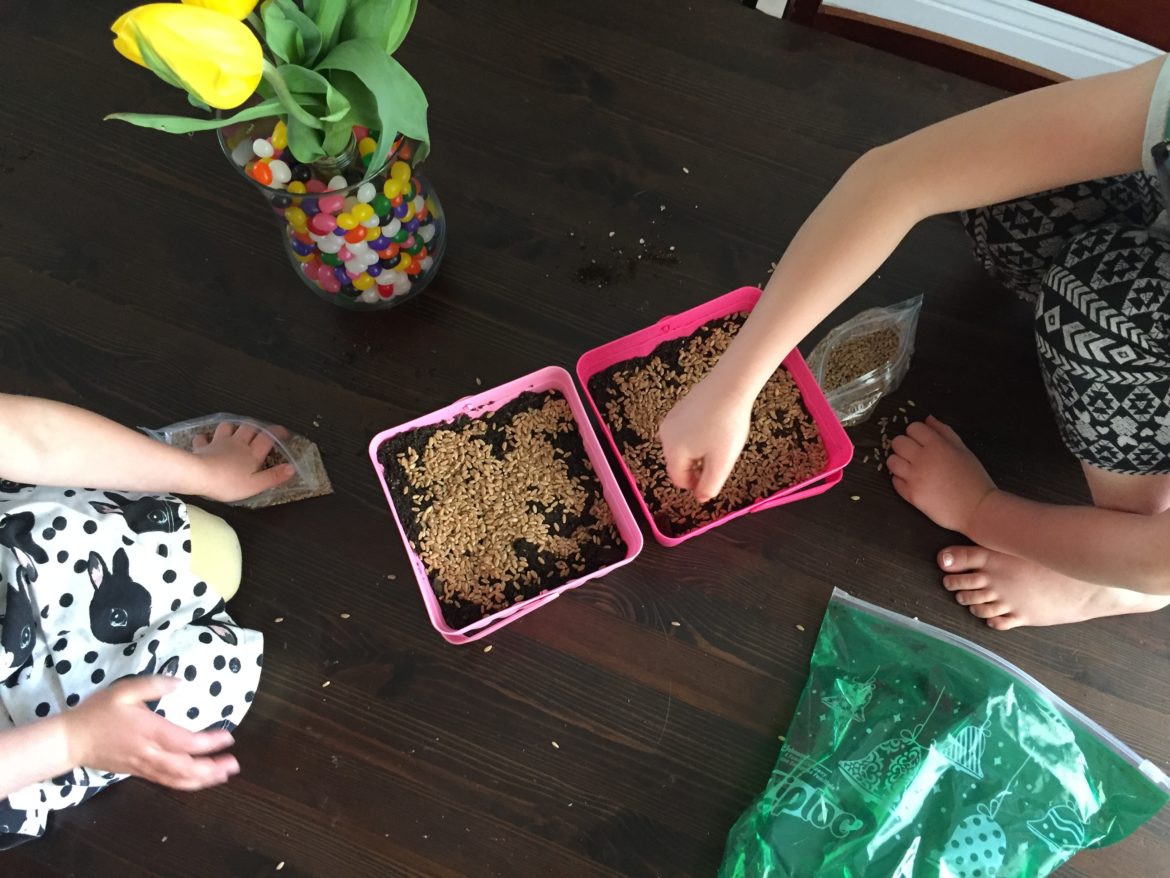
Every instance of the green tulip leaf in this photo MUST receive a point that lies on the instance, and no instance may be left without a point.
(337, 137)
(197, 104)
(282, 36)
(328, 19)
(273, 76)
(330, 104)
(386, 22)
(309, 35)
(385, 88)
(305, 142)
(186, 125)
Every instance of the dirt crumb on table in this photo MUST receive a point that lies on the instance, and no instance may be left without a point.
(501, 507)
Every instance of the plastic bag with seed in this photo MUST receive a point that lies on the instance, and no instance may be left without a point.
(310, 479)
(865, 358)
(914, 753)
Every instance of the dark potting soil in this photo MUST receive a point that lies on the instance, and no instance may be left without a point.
(783, 447)
(506, 527)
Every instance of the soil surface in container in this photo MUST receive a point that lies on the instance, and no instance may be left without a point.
(783, 448)
(500, 507)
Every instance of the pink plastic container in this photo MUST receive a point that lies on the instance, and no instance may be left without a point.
(551, 378)
(838, 448)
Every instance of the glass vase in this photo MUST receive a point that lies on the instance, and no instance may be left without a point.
(362, 244)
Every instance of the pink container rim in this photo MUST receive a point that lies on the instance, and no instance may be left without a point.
(838, 448)
(548, 378)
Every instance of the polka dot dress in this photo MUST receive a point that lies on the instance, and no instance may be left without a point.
(96, 586)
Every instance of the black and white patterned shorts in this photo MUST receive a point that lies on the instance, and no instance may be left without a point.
(1098, 276)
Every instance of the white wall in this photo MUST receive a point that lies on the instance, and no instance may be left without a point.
(1019, 29)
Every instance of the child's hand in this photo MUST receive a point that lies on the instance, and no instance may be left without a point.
(113, 730)
(234, 458)
(702, 436)
(933, 470)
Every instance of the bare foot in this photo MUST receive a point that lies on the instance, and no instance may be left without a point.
(1008, 591)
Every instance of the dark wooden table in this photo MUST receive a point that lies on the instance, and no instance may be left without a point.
(142, 279)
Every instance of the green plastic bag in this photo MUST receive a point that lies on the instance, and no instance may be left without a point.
(916, 753)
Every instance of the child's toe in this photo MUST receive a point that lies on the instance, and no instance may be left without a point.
(957, 559)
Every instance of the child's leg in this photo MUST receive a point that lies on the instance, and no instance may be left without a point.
(1018, 241)
(1103, 333)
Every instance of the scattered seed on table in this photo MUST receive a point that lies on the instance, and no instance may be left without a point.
(487, 648)
(799, 627)
(316, 424)
(611, 234)
(325, 684)
(479, 382)
(280, 865)
(345, 615)
(556, 745)
(855, 497)
(676, 624)
(781, 738)
(391, 576)
(278, 619)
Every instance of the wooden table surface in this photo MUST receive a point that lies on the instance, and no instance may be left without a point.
(142, 279)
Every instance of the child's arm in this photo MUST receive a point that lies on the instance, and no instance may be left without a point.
(1065, 133)
(933, 470)
(50, 443)
(113, 730)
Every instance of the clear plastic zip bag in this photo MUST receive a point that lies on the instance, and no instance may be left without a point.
(865, 358)
(914, 753)
(310, 480)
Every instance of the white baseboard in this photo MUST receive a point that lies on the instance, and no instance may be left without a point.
(1035, 34)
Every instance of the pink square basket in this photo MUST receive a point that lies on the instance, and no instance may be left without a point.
(838, 448)
(550, 378)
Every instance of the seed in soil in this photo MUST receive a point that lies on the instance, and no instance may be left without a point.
(482, 501)
(783, 447)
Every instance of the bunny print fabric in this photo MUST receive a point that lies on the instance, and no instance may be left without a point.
(96, 586)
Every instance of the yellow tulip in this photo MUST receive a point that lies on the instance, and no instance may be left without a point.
(237, 9)
(213, 56)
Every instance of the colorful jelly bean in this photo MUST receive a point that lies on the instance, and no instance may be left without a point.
(337, 182)
(361, 211)
(381, 205)
(367, 145)
(315, 186)
(366, 192)
(261, 148)
(322, 223)
(297, 187)
(332, 203)
(281, 173)
(353, 235)
(345, 220)
(261, 173)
